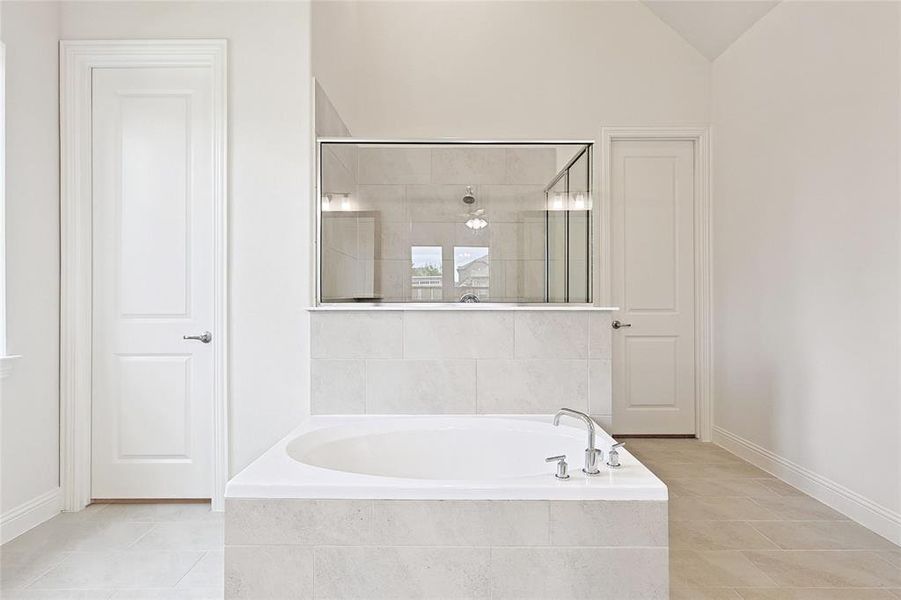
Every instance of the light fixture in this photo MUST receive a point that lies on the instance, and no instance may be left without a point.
(336, 202)
(579, 202)
(558, 203)
(476, 223)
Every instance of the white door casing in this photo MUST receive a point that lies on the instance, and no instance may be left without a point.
(152, 283)
(652, 195)
(78, 62)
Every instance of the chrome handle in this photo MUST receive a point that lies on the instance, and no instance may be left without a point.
(613, 456)
(561, 466)
(206, 337)
(620, 324)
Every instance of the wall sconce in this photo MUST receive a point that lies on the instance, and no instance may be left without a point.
(332, 202)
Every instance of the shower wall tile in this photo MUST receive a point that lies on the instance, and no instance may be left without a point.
(600, 387)
(439, 203)
(514, 203)
(432, 234)
(337, 386)
(450, 334)
(468, 165)
(420, 386)
(394, 241)
(336, 176)
(357, 335)
(389, 201)
(532, 386)
(394, 165)
(393, 278)
(532, 277)
(530, 165)
(543, 334)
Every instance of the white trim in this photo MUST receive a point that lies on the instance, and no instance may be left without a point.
(6, 362)
(28, 515)
(77, 60)
(700, 135)
(871, 515)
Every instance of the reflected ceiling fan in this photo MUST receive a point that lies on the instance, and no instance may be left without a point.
(475, 218)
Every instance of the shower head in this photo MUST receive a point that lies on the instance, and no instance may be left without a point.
(469, 197)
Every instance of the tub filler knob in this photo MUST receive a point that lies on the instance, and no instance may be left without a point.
(562, 467)
(613, 456)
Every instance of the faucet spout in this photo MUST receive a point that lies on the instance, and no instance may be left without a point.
(591, 451)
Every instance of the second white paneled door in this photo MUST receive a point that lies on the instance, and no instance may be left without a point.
(153, 267)
(652, 209)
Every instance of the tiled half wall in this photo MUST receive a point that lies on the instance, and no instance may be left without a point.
(295, 548)
(461, 362)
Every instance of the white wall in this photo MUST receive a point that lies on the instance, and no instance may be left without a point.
(806, 139)
(504, 69)
(269, 214)
(29, 404)
(270, 149)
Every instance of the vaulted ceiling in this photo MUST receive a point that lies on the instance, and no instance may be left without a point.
(710, 26)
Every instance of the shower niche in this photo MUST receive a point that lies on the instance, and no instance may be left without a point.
(461, 222)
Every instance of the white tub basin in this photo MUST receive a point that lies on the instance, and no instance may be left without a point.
(438, 457)
(454, 448)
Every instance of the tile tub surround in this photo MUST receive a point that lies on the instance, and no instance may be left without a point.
(461, 361)
(323, 506)
(445, 549)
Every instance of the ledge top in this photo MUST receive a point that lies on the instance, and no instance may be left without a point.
(443, 307)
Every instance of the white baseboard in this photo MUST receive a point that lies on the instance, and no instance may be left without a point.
(27, 515)
(871, 515)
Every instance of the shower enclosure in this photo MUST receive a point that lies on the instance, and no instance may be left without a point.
(439, 222)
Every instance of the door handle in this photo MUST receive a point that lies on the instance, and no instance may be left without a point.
(206, 337)
(620, 324)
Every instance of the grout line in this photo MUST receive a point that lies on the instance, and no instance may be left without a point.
(44, 572)
(196, 562)
(153, 527)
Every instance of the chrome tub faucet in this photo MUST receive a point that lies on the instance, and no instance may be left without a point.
(592, 454)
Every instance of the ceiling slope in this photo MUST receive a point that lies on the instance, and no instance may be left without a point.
(712, 25)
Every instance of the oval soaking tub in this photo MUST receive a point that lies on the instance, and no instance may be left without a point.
(443, 507)
(439, 457)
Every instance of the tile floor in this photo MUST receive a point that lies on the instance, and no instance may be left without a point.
(135, 551)
(735, 533)
(738, 533)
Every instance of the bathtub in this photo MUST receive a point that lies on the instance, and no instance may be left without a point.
(443, 507)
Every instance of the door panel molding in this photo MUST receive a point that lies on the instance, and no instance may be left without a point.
(703, 258)
(78, 59)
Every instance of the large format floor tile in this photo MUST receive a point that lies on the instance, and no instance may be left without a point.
(736, 533)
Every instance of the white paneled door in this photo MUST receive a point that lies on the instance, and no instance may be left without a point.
(152, 283)
(652, 209)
